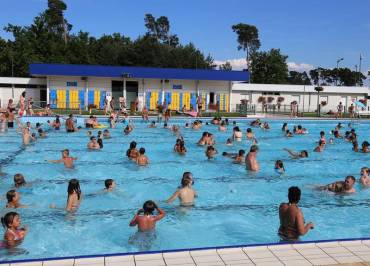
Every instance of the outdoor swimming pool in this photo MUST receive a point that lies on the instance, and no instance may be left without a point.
(234, 206)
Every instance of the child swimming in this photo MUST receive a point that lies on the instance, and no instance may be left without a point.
(13, 198)
(109, 185)
(132, 152)
(74, 195)
(186, 193)
(19, 180)
(279, 167)
(147, 221)
(66, 159)
(142, 159)
(211, 152)
(364, 179)
(14, 234)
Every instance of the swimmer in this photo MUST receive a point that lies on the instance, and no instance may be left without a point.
(222, 127)
(337, 135)
(229, 142)
(74, 195)
(211, 152)
(56, 123)
(250, 134)
(132, 152)
(186, 193)
(339, 126)
(237, 134)
(89, 133)
(203, 139)
(300, 130)
(109, 185)
(93, 144)
(265, 126)
(187, 125)
(256, 123)
(355, 146)
(106, 134)
(142, 160)
(279, 167)
(292, 224)
(331, 141)
(42, 133)
(238, 157)
(128, 129)
(180, 148)
(251, 159)
(152, 125)
(13, 198)
(70, 127)
(14, 234)
(322, 137)
(297, 155)
(321, 147)
(345, 186)
(364, 179)
(288, 134)
(19, 180)
(66, 159)
(147, 221)
(100, 142)
(285, 127)
(365, 147)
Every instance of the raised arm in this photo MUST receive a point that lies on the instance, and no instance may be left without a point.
(134, 220)
(292, 153)
(55, 161)
(160, 215)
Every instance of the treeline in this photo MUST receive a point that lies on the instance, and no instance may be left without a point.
(49, 40)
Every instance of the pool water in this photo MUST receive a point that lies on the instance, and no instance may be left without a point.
(234, 206)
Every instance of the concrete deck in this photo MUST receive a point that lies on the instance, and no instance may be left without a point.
(324, 253)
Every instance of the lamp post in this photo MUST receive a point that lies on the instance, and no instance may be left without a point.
(338, 61)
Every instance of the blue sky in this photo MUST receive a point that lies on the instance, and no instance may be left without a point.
(312, 33)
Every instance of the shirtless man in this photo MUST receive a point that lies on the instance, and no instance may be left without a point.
(251, 160)
(142, 159)
(66, 159)
(297, 155)
(70, 126)
(250, 134)
(93, 144)
(237, 134)
(186, 193)
(291, 217)
(345, 186)
(321, 146)
(147, 221)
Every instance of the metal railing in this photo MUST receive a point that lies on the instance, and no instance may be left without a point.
(246, 109)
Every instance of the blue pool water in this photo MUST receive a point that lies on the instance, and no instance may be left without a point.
(234, 206)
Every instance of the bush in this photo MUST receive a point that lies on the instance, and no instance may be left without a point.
(270, 99)
(261, 99)
(91, 106)
(323, 103)
(244, 101)
(280, 99)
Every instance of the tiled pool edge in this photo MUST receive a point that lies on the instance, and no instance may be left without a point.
(287, 246)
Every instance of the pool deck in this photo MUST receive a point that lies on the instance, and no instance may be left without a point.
(355, 252)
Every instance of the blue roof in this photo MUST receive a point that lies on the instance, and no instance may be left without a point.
(39, 69)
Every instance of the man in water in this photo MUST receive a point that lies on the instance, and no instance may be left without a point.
(345, 186)
(70, 126)
(291, 217)
(93, 144)
(251, 159)
(66, 159)
(297, 155)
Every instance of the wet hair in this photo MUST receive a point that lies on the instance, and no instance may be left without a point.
(38, 124)
(249, 130)
(305, 153)
(100, 142)
(351, 177)
(40, 131)
(153, 122)
(365, 144)
(322, 133)
(284, 125)
(10, 195)
(19, 180)
(74, 186)
(186, 181)
(186, 124)
(253, 148)
(241, 152)
(366, 169)
(299, 127)
(92, 137)
(57, 120)
(294, 194)
(188, 175)
(165, 125)
(8, 218)
(280, 164)
(108, 183)
(24, 93)
(70, 115)
(142, 150)
(133, 144)
(229, 140)
(321, 142)
(65, 151)
(149, 207)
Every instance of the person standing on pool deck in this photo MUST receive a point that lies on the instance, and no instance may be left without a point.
(66, 159)
(147, 221)
(251, 159)
(291, 217)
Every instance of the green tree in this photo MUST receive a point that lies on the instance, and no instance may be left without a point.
(226, 66)
(298, 78)
(160, 30)
(269, 67)
(345, 76)
(248, 39)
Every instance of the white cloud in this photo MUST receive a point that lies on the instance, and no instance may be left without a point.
(241, 63)
(237, 64)
(299, 67)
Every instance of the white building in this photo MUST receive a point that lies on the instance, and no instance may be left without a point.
(78, 86)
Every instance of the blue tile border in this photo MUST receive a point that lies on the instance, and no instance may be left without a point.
(184, 249)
